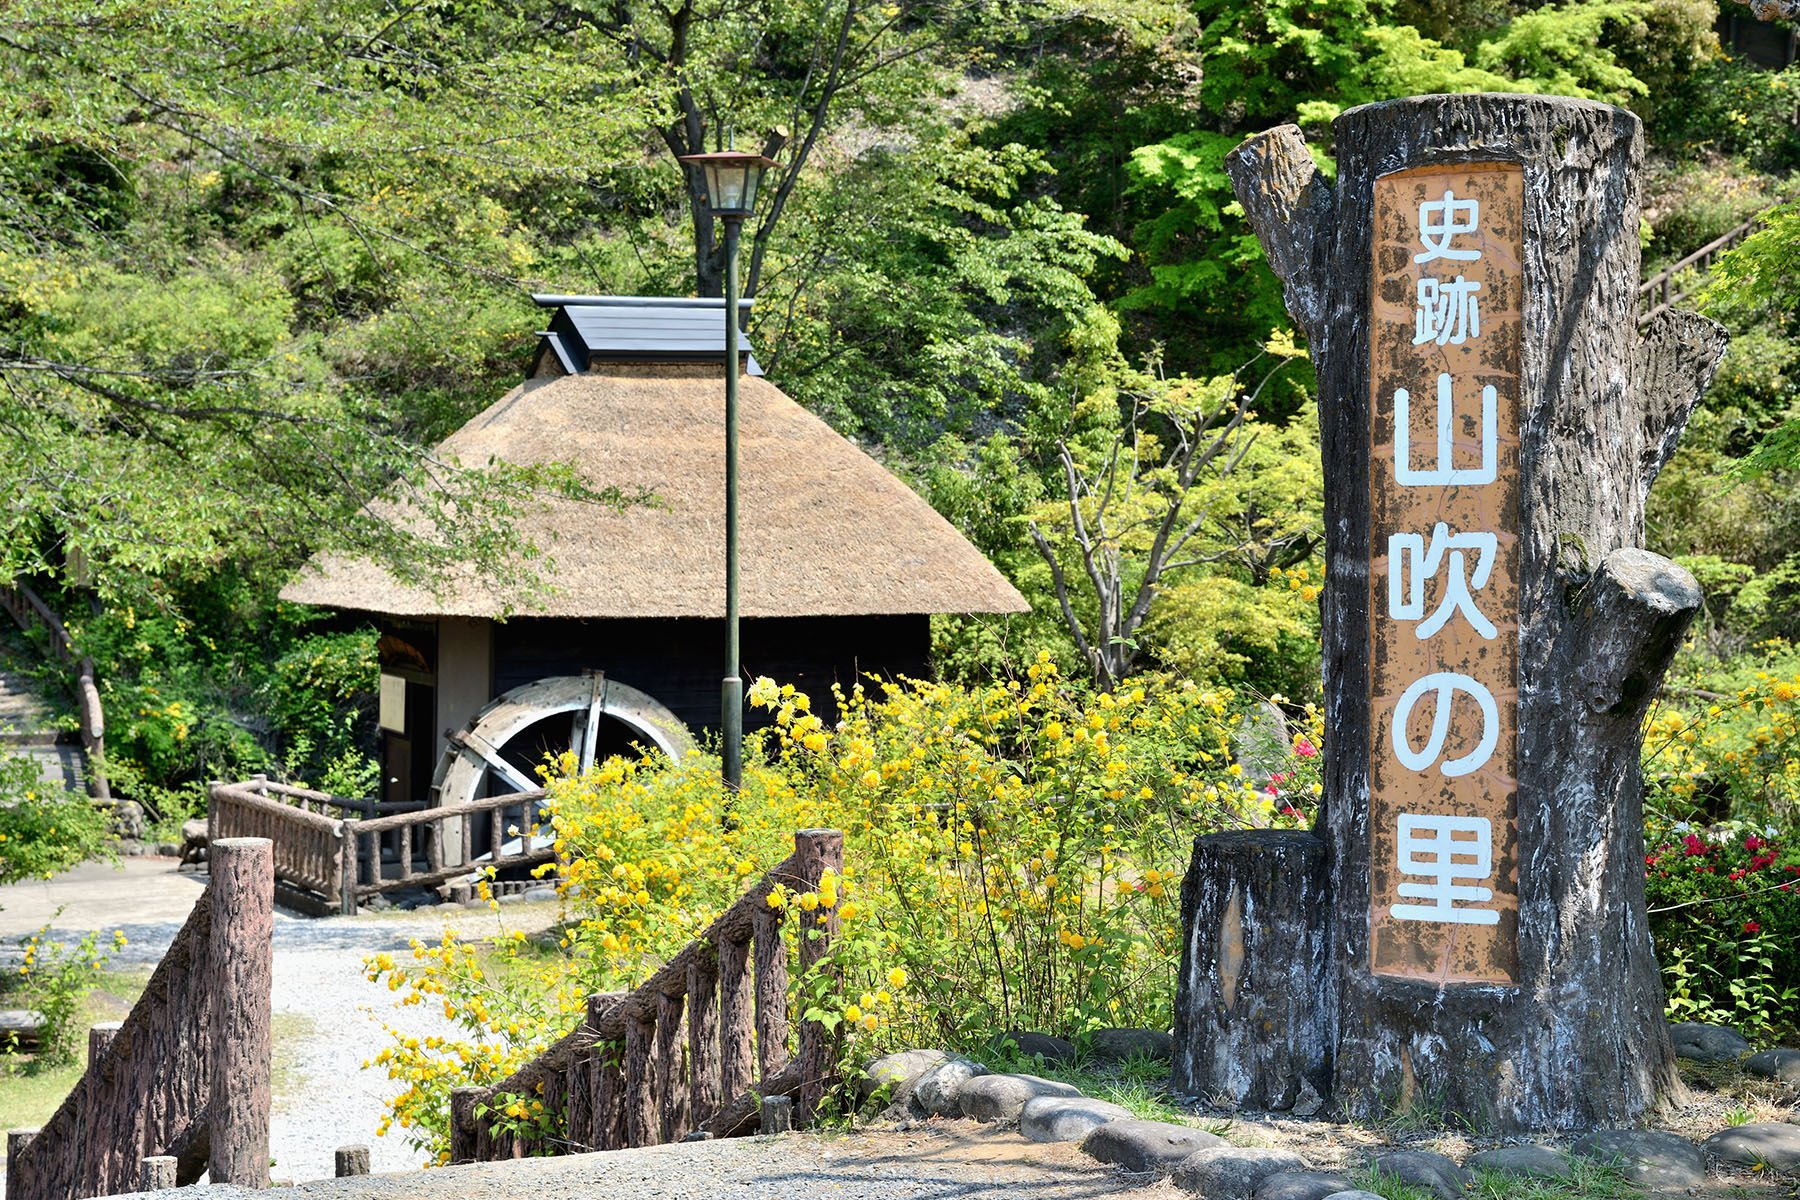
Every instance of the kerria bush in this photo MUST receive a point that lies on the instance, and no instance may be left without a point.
(1013, 856)
(1722, 862)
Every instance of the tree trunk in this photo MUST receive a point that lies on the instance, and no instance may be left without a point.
(1250, 1028)
(1550, 1016)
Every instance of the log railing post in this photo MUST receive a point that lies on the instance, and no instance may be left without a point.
(609, 1096)
(703, 1034)
(348, 1161)
(771, 982)
(818, 852)
(578, 1123)
(157, 1173)
(96, 1151)
(239, 976)
(463, 1123)
(19, 1178)
(347, 872)
(671, 1071)
(736, 1018)
(640, 1075)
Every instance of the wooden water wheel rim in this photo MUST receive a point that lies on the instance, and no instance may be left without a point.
(475, 751)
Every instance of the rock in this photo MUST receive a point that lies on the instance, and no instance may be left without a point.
(1033, 1045)
(898, 1071)
(935, 1091)
(1354, 1194)
(1708, 1043)
(1232, 1172)
(20, 1028)
(128, 819)
(533, 895)
(1648, 1157)
(1423, 1169)
(1066, 1118)
(1775, 1064)
(1116, 1045)
(1540, 1161)
(1773, 1144)
(1002, 1097)
(1300, 1185)
(1146, 1145)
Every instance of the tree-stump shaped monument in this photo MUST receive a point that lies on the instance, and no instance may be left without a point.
(1492, 421)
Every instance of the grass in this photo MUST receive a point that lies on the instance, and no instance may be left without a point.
(29, 1097)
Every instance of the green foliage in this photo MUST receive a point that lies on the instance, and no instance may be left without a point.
(1729, 106)
(54, 979)
(43, 829)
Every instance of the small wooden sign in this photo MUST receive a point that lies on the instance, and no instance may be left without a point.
(1445, 334)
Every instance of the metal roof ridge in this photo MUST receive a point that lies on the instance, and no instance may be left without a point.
(553, 300)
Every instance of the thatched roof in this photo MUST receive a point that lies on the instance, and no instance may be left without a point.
(826, 531)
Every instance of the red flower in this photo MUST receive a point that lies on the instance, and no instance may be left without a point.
(1693, 846)
(1649, 860)
(1753, 843)
(1305, 749)
(1752, 927)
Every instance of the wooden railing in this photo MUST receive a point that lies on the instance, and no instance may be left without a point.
(676, 1055)
(187, 1074)
(1665, 289)
(32, 614)
(340, 858)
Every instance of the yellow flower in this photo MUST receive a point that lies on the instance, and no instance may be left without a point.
(896, 978)
(853, 1014)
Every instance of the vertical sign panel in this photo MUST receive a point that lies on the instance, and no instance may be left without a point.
(1445, 336)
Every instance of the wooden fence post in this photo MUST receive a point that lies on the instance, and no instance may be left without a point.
(347, 867)
(771, 982)
(462, 1124)
(736, 1019)
(19, 1178)
(156, 1173)
(703, 1034)
(239, 968)
(640, 1076)
(818, 852)
(671, 1071)
(351, 1160)
(96, 1170)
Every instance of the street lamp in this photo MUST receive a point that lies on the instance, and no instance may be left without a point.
(731, 182)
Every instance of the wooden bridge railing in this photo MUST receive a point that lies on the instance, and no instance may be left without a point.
(187, 1074)
(1665, 289)
(32, 614)
(676, 1055)
(340, 859)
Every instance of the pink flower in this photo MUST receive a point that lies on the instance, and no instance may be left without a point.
(1753, 843)
(1694, 846)
(1752, 927)
(1305, 749)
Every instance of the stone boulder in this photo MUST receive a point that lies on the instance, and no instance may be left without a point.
(1232, 1172)
(1066, 1118)
(1117, 1045)
(1420, 1168)
(1002, 1097)
(897, 1072)
(1146, 1145)
(1041, 1046)
(1773, 1144)
(935, 1091)
(1708, 1043)
(1525, 1161)
(1300, 1185)
(1647, 1157)
(1775, 1064)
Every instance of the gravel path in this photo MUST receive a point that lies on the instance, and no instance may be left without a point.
(328, 1017)
(959, 1160)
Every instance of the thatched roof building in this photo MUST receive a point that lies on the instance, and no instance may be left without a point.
(841, 563)
(826, 531)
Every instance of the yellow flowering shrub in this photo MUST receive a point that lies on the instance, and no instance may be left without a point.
(1013, 857)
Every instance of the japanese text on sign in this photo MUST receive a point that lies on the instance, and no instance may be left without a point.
(1445, 337)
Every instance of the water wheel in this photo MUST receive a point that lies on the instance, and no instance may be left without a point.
(499, 747)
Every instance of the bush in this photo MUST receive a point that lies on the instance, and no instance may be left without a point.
(53, 981)
(1722, 868)
(1012, 860)
(43, 829)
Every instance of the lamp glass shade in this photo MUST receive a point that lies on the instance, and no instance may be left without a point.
(731, 180)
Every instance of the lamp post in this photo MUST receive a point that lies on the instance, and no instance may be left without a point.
(731, 183)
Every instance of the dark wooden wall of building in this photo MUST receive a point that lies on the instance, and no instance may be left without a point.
(680, 661)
